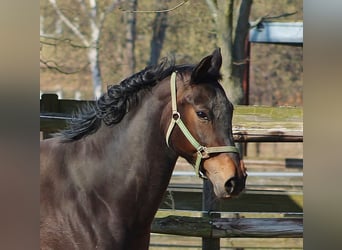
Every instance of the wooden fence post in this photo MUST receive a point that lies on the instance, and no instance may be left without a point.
(49, 103)
(210, 205)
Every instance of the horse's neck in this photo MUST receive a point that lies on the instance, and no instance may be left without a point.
(140, 139)
(131, 156)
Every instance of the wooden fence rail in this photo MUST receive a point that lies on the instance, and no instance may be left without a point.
(229, 227)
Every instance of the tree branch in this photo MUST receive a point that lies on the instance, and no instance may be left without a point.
(84, 9)
(60, 40)
(112, 6)
(213, 8)
(69, 23)
(107, 10)
(268, 18)
(157, 11)
(56, 67)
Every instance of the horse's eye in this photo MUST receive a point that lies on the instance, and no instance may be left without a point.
(202, 115)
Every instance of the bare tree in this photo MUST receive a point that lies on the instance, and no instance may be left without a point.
(159, 29)
(129, 57)
(90, 36)
(232, 43)
(159, 26)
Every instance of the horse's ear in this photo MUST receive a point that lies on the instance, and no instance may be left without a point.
(216, 62)
(209, 65)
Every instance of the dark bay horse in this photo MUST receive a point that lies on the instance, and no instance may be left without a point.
(102, 179)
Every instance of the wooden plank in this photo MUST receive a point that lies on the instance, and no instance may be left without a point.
(263, 117)
(267, 124)
(262, 201)
(53, 122)
(168, 242)
(72, 106)
(277, 175)
(229, 227)
(258, 227)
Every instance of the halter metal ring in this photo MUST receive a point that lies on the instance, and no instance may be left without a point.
(176, 115)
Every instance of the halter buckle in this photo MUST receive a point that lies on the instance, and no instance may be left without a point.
(203, 152)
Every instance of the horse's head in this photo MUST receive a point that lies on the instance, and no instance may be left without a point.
(201, 127)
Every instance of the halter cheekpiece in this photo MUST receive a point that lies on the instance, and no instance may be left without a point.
(202, 151)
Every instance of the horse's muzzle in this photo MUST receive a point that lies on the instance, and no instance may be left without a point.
(234, 186)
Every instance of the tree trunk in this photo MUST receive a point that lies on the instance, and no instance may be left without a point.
(93, 57)
(222, 11)
(224, 27)
(240, 47)
(158, 36)
(129, 57)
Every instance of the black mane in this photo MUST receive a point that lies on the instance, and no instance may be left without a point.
(112, 106)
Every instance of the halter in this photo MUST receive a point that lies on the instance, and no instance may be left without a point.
(202, 151)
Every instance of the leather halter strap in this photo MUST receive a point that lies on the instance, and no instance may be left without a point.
(202, 151)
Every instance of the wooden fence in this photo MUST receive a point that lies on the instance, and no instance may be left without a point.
(250, 124)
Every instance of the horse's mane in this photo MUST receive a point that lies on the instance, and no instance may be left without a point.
(112, 106)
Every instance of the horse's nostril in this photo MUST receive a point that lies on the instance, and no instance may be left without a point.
(230, 185)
